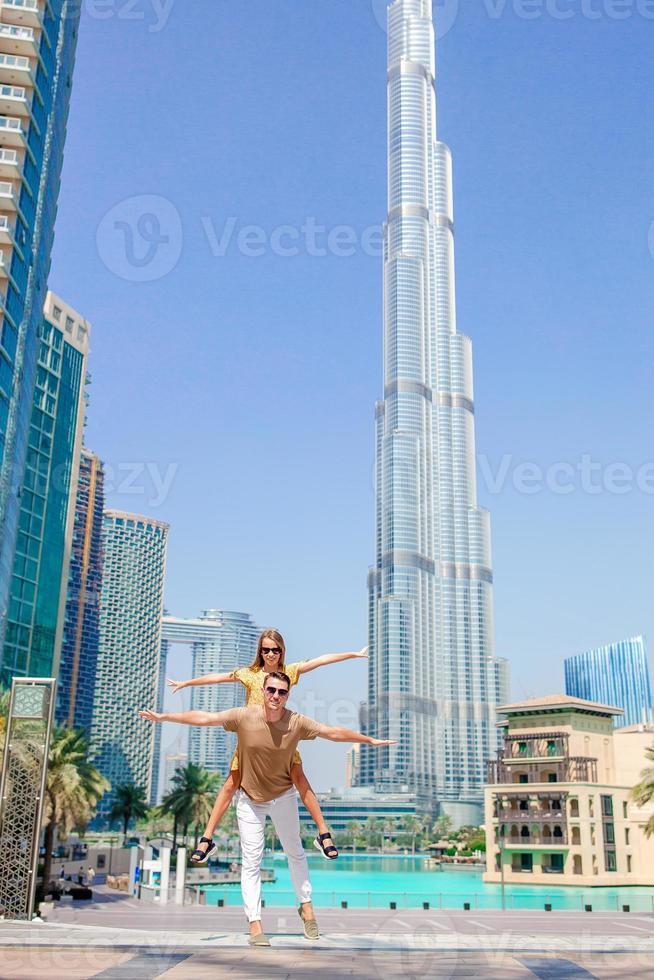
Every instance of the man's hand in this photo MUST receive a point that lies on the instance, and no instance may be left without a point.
(382, 741)
(363, 654)
(175, 686)
(149, 715)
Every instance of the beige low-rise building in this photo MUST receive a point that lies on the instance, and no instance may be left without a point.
(557, 804)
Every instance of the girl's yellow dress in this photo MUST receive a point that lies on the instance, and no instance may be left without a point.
(252, 680)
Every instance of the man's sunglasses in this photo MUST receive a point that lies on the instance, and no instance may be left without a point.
(282, 691)
(271, 649)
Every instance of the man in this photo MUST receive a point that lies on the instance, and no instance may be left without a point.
(267, 740)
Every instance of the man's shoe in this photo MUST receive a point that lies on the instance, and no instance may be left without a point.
(311, 930)
(261, 939)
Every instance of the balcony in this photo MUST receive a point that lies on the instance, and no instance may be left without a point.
(24, 13)
(8, 199)
(6, 231)
(12, 132)
(13, 100)
(10, 164)
(575, 769)
(15, 70)
(545, 745)
(18, 40)
(513, 841)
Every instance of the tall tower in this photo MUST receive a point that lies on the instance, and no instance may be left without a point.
(221, 641)
(37, 52)
(39, 582)
(81, 638)
(127, 675)
(616, 674)
(432, 675)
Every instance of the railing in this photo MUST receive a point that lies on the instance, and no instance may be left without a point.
(8, 156)
(12, 92)
(22, 33)
(22, 4)
(537, 839)
(14, 61)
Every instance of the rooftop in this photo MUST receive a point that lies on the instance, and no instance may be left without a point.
(558, 702)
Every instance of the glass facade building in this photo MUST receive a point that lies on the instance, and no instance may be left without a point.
(220, 641)
(433, 681)
(127, 675)
(37, 52)
(40, 572)
(616, 674)
(81, 636)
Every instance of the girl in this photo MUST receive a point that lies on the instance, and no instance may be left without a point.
(271, 651)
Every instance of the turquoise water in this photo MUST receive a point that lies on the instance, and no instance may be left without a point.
(373, 881)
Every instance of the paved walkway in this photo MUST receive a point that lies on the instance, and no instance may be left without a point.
(119, 937)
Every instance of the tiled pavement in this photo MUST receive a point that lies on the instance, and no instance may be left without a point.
(315, 964)
(120, 938)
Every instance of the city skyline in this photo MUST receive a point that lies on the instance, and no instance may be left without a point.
(432, 682)
(272, 364)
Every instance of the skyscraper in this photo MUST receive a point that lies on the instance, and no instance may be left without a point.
(432, 682)
(616, 674)
(37, 53)
(81, 636)
(47, 500)
(127, 676)
(220, 641)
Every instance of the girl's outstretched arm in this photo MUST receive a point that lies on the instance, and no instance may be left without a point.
(332, 658)
(176, 686)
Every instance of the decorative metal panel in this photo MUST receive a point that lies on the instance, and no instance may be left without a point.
(21, 792)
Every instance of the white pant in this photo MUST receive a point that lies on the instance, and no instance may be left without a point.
(251, 822)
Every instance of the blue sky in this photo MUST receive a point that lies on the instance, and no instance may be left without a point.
(248, 381)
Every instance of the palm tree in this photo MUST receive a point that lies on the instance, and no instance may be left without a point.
(414, 825)
(130, 804)
(191, 799)
(73, 788)
(643, 792)
(443, 827)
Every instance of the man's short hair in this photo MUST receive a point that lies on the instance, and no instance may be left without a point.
(279, 675)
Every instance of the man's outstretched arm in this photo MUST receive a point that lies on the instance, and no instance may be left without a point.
(347, 735)
(188, 717)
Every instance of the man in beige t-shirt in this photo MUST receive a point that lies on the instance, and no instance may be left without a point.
(267, 739)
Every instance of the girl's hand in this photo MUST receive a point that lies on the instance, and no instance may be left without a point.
(362, 653)
(149, 715)
(382, 741)
(175, 686)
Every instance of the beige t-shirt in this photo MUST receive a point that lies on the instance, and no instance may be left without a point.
(266, 748)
